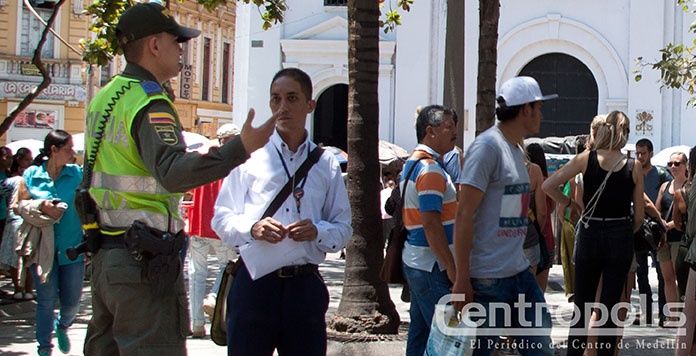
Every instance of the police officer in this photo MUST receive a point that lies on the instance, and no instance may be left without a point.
(139, 172)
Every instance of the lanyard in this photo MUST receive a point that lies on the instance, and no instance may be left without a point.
(298, 192)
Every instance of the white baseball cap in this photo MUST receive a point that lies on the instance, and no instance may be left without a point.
(521, 90)
(227, 130)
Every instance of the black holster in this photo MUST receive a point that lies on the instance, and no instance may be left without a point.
(158, 253)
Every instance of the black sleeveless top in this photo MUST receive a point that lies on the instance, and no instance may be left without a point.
(673, 235)
(615, 201)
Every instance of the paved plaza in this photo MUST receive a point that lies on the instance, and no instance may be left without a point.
(17, 319)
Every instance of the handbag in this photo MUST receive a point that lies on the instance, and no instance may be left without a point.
(648, 237)
(456, 339)
(392, 271)
(218, 323)
(218, 327)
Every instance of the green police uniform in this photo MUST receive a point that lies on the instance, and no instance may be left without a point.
(140, 170)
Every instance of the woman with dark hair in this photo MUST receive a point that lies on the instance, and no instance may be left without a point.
(21, 161)
(49, 190)
(535, 154)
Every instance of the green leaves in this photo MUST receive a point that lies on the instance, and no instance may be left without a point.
(393, 17)
(103, 46)
(677, 64)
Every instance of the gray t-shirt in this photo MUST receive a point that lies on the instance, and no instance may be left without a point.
(496, 167)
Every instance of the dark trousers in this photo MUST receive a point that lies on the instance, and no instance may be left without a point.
(277, 313)
(603, 249)
(644, 284)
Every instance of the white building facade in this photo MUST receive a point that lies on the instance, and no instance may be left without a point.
(584, 52)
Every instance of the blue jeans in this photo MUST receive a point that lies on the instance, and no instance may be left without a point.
(603, 249)
(64, 285)
(508, 291)
(426, 290)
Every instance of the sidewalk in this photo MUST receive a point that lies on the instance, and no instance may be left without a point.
(17, 329)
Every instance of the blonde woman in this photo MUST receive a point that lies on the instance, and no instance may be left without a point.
(604, 238)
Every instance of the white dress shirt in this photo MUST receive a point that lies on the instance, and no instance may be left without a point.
(249, 189)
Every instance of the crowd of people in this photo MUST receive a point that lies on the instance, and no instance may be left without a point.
(502, 239)
(480, 224)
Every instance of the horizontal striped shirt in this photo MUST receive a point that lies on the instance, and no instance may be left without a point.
(430, 189)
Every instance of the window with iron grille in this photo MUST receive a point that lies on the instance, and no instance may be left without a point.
(335, 2)
(226, 73)
(205, 85)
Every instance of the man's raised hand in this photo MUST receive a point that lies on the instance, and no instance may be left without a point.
(254, 138)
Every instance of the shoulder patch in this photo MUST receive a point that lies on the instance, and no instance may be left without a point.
(167, 134)
(163, 118)
(151, 88)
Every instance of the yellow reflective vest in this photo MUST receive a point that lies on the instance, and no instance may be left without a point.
(122, 186)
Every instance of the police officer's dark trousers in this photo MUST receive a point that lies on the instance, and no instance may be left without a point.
(277, 312)
(127, 319)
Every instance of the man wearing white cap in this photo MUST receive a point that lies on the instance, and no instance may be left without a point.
(492, 223)
(203, 239)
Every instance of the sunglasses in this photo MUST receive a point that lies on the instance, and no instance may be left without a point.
(673, 164)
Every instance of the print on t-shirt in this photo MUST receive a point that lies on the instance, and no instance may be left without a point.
(513, 211)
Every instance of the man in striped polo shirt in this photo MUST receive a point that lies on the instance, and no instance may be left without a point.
(430, 205)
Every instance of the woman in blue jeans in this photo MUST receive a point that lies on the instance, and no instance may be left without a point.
(53, 180)
(604, 237)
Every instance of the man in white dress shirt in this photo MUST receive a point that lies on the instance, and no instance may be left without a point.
(279, 300)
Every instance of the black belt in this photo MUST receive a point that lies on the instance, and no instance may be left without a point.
(294, 271)
(110, 242)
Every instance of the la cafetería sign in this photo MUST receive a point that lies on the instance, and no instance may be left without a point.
(67, 92)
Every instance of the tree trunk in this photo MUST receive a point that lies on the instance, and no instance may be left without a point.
(36, 60)
(454, 63)
(365, 305)
(489, 14)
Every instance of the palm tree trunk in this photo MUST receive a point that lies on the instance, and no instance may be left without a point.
(489, 14)
(365, 303)
(454, 63)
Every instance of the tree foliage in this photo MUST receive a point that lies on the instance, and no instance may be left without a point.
(105, 13)
(677, 63)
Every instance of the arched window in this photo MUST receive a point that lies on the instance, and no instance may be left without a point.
(576, 87)
(331, 117)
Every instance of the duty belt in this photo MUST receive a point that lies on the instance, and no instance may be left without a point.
(123, 218)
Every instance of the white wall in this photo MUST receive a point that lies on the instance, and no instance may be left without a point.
(313, 37)
(419, 66)
(606, 36)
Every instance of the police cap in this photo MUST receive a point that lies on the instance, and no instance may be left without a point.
(145, 19)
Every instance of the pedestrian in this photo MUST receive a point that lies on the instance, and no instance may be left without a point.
(140, 170)
(429, 207)
(667, 254)
(49, 187)
(203, 240)
(9, 259)
(21, 160)
(684, 213)
(604, 237)
(547, 246)
(278, 299)
(653, 177)
(492, 222)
